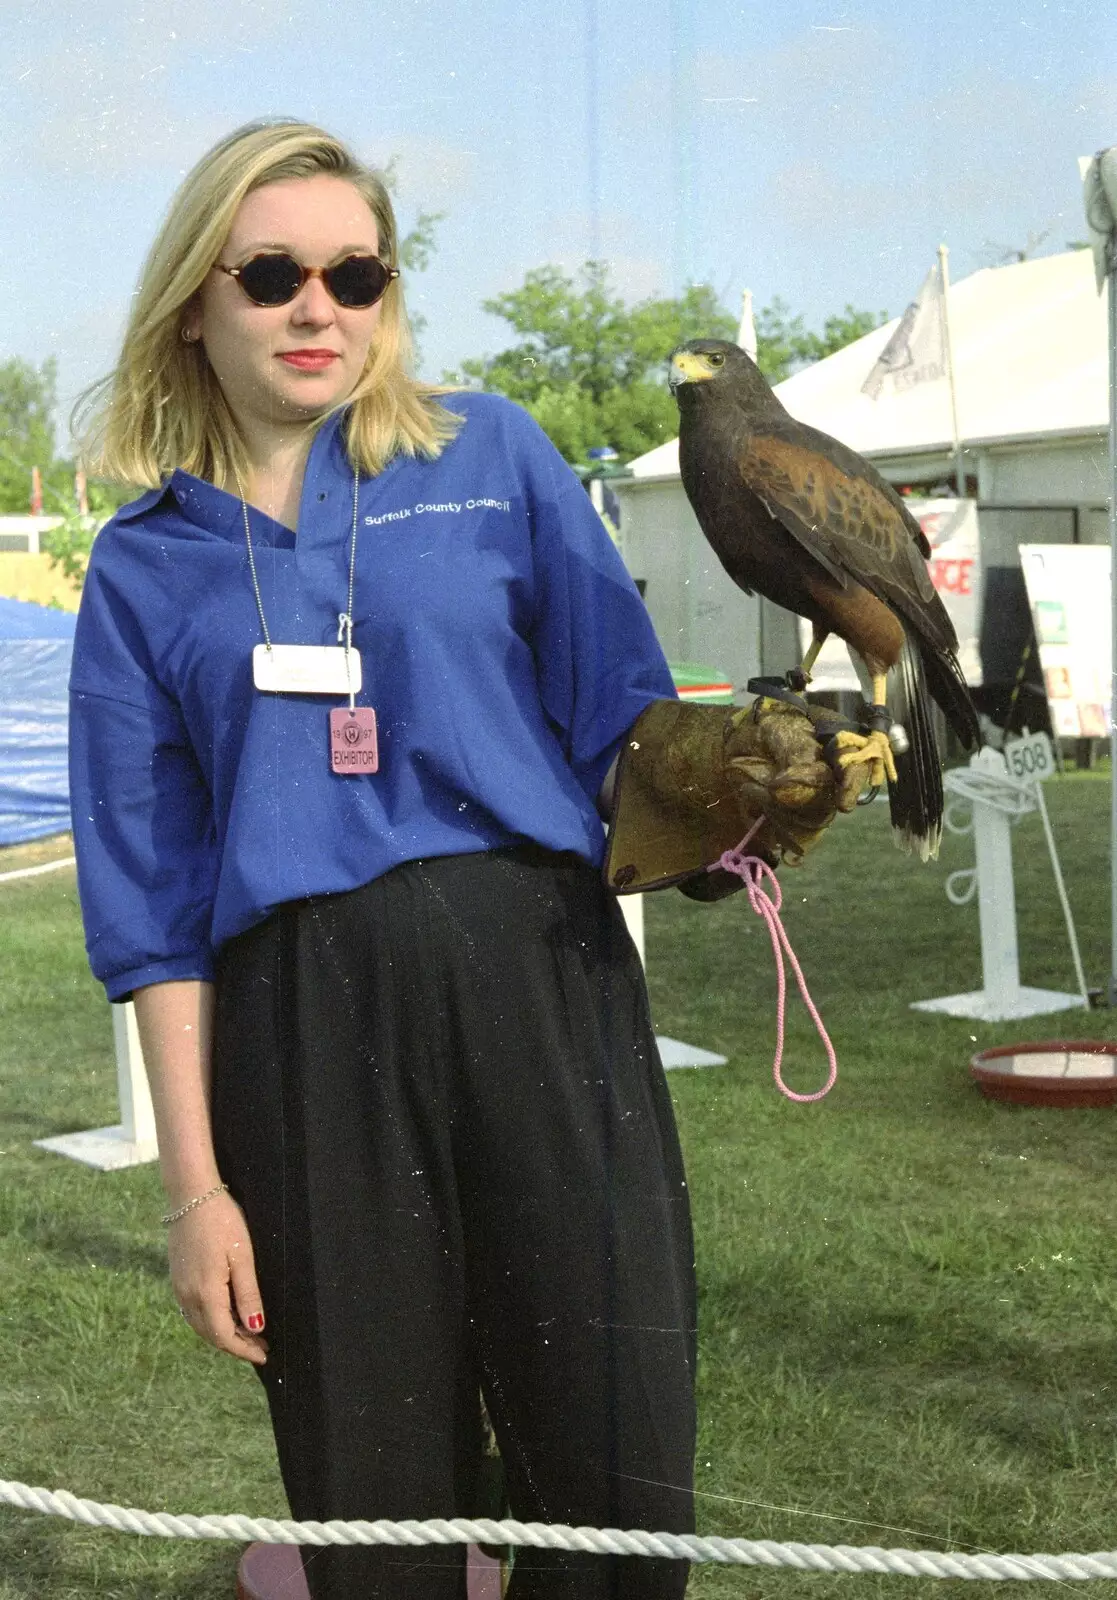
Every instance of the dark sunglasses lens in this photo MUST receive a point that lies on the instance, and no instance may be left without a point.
(271, 280)
(358, 280)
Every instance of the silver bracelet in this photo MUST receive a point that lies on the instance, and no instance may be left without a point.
(173, 1216)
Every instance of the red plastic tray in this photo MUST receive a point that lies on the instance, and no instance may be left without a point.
(1053, 1072)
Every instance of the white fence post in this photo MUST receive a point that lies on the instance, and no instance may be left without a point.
(137, 1119)
(132, 1141)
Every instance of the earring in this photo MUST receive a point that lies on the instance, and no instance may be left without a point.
(187, 337)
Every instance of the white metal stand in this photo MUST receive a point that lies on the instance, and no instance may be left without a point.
(672, 1052)
(132, 1141)
(996, 800)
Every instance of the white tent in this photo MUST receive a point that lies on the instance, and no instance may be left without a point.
(1030, 366)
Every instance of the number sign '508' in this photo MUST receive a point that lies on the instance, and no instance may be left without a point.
(1030, 759)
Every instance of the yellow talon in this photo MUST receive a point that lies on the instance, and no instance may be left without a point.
(873, 748)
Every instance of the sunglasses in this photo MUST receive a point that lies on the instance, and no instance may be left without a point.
(273, 279)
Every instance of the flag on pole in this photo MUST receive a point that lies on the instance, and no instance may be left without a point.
(746, 333)
(36, 492)
(916, 352)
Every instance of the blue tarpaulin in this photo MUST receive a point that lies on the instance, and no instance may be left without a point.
(35, 648)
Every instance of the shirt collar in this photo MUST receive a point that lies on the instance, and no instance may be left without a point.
(217, 511)
(146, 502)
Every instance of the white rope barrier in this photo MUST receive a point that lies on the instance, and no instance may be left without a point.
(556, 1536)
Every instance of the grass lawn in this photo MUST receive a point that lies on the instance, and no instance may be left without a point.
(907, 1291)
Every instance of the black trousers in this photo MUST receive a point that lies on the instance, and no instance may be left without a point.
(439, 1102)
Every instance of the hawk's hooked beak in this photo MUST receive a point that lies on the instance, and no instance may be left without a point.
(686, 367)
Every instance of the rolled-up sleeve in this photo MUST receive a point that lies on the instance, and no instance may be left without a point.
(598, 659)
(144, 836)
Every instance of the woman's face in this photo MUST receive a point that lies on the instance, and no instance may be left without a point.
(318, 221)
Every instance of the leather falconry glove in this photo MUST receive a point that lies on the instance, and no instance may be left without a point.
(693, 779)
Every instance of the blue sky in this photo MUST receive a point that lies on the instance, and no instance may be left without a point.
(818, 151)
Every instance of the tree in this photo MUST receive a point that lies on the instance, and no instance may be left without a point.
(27, 400)
(68, 543)
(785, 345)
(592, 370)
(1009, 255)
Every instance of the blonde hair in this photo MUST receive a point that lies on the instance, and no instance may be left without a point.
(162, 406)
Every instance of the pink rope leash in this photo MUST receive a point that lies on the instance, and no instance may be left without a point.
(753, 870)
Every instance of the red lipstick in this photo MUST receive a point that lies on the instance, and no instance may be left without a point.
(309, 360)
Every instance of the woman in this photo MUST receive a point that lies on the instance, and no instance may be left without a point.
(348, 680)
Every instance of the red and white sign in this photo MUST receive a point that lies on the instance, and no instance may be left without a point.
(955, 570)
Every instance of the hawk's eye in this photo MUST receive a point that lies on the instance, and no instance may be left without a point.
(716, 359)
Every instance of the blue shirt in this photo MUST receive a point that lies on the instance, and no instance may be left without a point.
(504, 648)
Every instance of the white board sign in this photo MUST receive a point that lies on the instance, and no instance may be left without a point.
(1030, 759)
(1069, 593)
(955, 569)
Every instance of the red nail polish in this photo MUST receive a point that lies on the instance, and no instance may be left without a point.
(255, 1322)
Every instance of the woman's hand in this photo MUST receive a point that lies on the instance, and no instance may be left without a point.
(213, 1274)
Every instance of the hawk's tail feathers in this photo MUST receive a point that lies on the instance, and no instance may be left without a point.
(949, 688)
(916, 798)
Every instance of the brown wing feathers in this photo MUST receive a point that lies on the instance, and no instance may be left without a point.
(851, 525)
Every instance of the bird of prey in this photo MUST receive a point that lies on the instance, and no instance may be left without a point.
(807, 522)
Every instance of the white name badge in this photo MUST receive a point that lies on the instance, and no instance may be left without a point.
(306, 669)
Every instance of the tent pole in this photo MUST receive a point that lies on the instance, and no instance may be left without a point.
(944, 274)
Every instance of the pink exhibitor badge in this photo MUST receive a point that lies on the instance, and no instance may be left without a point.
(353, 740)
